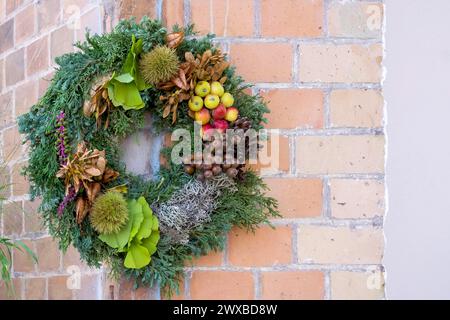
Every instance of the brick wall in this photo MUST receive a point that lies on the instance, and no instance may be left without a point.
(318, 62)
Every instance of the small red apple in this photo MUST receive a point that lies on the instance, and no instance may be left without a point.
(219, 112)
(202, 116)
(232, 114)
(207, 131)
(221, 125)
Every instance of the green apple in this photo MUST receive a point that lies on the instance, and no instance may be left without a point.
(202, 89)
(227, 99)
(196, 103)
(217, 89)
(212, 101)
(232, 114)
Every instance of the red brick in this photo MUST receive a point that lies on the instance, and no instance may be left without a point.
(5, 180)
(293, 285)
(12, 215)
(33, 220)
(72, 258)
(25, 97)
(14, 67)
(15, 293)
(58, 289)
(273, 162)
(173, 13)
(137, 9)
(25, 23)
(35, 288)
(62, 41)
(297, 198)
(90, 21)
(7, 35)
(90, 288)
(126, 289)
(23, 262)
(12, 5)
(12, 144)
(37, 56)
(227, 17)
(49, 255)
(222, 285)
(266, 247)
(263, 62)
(20, 184)
(212, 259)
(6, 109)
(291, 18)
(48, 14)
(294, 108)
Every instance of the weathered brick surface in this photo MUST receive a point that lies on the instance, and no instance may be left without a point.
(263, 62)
(357, 285)
(335, 245)
(360, 108)
(340, 63)
(299, 18)
(298, 198)
(224, 18)
(340, 154)
(265, 247)
(293, 285)
(227, 285)
(355, 199)
(355, 19)
(324, 93)
(293, 108)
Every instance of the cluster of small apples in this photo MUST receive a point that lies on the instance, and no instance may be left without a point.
(213, 109)
(212, 106)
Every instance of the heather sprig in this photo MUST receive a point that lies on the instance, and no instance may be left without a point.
(61, 138)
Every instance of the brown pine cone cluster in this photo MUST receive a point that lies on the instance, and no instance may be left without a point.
(215, 164)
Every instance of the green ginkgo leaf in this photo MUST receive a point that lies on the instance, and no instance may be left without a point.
(146, 227)
(137, 216)
(137, 256)
(155, 225)
(120, 239)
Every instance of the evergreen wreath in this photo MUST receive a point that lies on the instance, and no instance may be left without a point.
(145, 229)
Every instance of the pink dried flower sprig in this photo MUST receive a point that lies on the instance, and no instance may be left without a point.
(68, 198)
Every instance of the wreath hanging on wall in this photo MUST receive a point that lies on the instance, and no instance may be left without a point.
(147, 229)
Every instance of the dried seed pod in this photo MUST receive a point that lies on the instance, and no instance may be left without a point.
(216, 170)
(207, 166)
(225, 167)
(208, 174)
(232, 172)
(200, 177)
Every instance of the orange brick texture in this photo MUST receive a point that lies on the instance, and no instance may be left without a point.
(318, 63)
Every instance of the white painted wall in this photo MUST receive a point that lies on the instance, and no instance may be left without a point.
(417, 91)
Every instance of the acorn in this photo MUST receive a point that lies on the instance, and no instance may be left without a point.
(232, 172)
(216, 170)
(189, 169)
(226, 166)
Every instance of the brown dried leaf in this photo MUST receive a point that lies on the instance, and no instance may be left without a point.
(93, 172)
(223, 79)
(166, 111)
(81, 209)
(101, 164)
(92, 191)
(174, 39)
(189, 57)
(109, 175)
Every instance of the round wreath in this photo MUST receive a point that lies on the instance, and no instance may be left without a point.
(144, 228)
